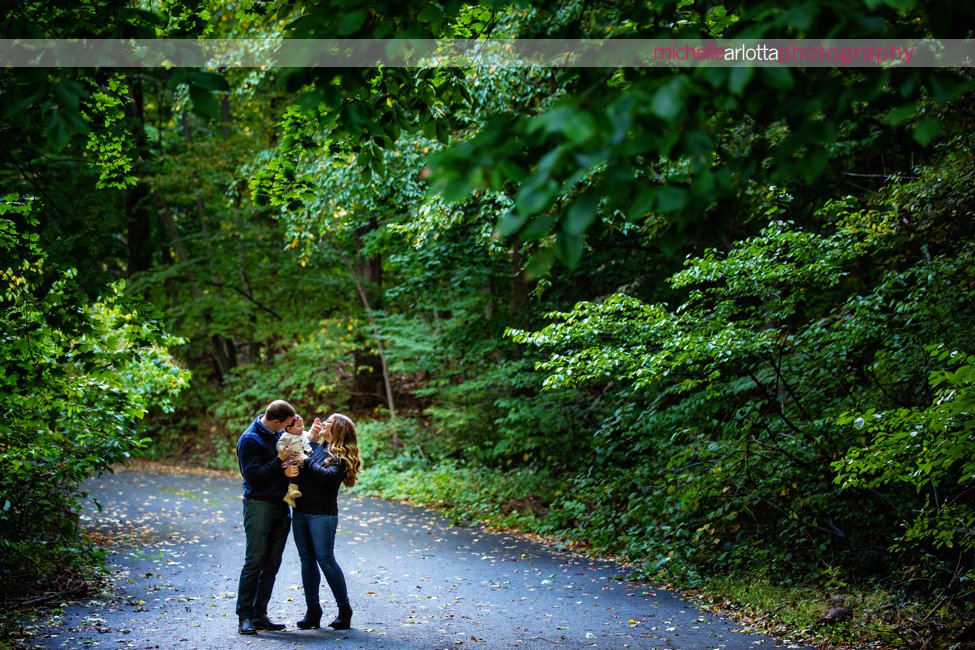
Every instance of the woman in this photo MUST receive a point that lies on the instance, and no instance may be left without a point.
(334, 460)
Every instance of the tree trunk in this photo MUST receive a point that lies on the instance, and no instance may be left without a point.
(371, 370)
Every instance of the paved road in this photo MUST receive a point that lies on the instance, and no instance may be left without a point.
(416, 582)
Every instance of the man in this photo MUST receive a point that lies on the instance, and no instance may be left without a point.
(267, 518)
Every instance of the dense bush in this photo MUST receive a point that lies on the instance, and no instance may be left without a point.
(734, 446)
(77, 377)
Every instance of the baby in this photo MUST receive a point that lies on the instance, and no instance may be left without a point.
(295, 440)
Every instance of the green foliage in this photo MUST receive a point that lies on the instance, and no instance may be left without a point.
(77, 379)
(623, 142)
(306, 374)
(279, 183)
(406, 462)
(186, 18)
(931, 448)
(740, 387)
(108, 142)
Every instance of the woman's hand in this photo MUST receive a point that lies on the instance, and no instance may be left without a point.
(291, 471)
(316, 429)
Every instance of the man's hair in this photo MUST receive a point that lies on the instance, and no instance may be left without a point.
(279, 410)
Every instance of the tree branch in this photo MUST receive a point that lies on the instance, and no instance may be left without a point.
(243, 293)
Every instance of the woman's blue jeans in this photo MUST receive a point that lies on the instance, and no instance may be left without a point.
(315, 540)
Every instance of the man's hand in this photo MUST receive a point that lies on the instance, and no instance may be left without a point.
(291, 471)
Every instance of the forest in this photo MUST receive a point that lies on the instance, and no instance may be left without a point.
(717, 322)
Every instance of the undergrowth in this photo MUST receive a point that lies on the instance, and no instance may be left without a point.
(793, 608)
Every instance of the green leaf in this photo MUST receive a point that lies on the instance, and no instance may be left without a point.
(431, 14)
(580, 215)
(948, 89)
(670, 199)
(813, 164)
(926, 131)
(539, 263)
(568, 248)
(208, 80)
(75, 122)
(537, 228)
(443, 133)
(456, 190)
(801, 16)
(204, 103)
(551, 121)
(378, 167)
(579, 127)
(351, 22)
(899, 115)
(739, 78)
(57, 136)
(641, 204)
(535, 195)
(14, 102)
(780, 78)
(69, 95)
(511, 222)
(668, 101)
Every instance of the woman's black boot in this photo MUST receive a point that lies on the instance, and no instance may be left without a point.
(344, 620)
(312, 619)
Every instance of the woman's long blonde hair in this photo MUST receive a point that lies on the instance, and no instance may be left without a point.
(345, 446)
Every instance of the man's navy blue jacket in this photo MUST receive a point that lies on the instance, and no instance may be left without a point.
(260, 466)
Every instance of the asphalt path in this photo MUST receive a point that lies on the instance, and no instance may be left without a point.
(415, 581)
